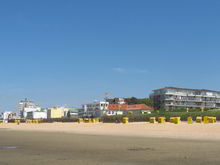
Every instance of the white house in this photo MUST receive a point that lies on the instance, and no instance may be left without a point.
(9, 115)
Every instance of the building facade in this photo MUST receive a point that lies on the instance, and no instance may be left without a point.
(96, 109)
(124, 109)
(169, 98)
(116, 101)
(1, 116)
(30, 110)
(75, 113)
(9, 116)
(25, 106)
(42, 114)
(57, 112)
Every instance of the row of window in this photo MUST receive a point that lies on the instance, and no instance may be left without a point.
(186, 92)
(190, 98)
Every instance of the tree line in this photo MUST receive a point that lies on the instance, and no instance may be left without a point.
(134, 100)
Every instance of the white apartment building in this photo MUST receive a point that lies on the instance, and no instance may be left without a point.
(176, 98)
(96, 109)
(26, 106)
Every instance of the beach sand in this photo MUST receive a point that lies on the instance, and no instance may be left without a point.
(110, 144)
(138, 129)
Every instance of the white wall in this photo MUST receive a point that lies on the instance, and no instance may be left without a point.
(112, 113)
(6, 116)
(30, 109)
(40, 115)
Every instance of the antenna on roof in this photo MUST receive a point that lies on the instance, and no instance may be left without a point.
(107, 96)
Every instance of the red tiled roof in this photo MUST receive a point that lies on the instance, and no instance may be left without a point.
(129, 107)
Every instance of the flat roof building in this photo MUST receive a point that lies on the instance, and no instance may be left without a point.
(25, 106)
(57, 112)
(177, 98)
(96, 109)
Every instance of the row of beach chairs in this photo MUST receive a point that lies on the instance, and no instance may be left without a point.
(177, 120)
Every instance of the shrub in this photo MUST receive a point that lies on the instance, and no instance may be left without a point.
(145, 117)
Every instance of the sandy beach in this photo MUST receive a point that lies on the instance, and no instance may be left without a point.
(110, 144)
(139, 129)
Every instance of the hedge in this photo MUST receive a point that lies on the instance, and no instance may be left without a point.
(167, 115)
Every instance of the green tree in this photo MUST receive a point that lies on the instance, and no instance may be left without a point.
(134, 100)
(146, 101)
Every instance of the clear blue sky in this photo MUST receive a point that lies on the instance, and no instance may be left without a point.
(72, 52)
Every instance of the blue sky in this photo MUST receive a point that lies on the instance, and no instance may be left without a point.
(72, 52)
